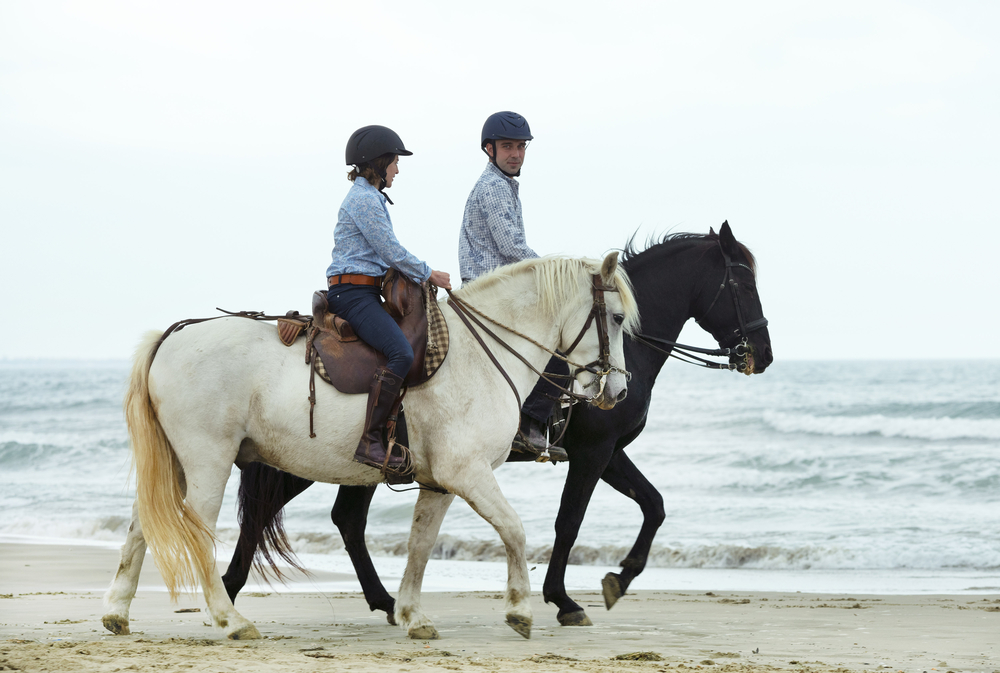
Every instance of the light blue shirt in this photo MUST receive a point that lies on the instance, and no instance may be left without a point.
(363, 240)
(492, 228)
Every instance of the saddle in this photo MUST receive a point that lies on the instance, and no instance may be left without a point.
(345, 361)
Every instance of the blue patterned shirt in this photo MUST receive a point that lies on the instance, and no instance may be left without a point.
(492, 227)
(363, 240)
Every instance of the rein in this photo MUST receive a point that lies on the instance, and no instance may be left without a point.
(600, 367)
(742, 349)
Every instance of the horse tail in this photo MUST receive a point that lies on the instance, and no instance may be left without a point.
(173, 530)
(263, 492)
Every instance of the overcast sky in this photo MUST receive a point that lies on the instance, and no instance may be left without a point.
(159, 159)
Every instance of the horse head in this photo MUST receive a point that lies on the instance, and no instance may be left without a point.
(731, 311)
(607, 315)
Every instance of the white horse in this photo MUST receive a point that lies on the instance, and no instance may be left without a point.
(227, 391)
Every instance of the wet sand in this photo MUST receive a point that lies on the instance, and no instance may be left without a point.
(51, 608)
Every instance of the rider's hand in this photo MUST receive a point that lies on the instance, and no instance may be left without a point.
(441, 279)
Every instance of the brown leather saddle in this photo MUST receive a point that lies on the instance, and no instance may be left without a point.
(347, 362)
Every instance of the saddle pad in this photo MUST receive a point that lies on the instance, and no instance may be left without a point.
(437, 332)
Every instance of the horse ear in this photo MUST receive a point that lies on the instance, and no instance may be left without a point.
(711, 231)
(726, 238)
(608, 268)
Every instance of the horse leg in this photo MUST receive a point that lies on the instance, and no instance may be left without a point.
(584, 472)
(622, 475)
(206, 484)
(427, 517)
(122, 590)
(350, 516)
(263, 492)
(484, 496)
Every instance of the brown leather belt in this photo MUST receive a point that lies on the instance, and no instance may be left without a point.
(354, 279)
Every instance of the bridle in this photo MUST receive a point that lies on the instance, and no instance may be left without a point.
(741, 333)
(601, 367)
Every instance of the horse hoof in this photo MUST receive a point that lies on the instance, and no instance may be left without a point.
(612, 590)
(519, 624)
(577, 618)
(248, 632)
(116, 624)
(391, 618)
(425, 632)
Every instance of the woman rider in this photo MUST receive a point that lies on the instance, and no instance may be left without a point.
(365, 247)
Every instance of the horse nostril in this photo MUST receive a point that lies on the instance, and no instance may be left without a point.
(622, 395)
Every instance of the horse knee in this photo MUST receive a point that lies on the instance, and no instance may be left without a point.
(657, 514)
(515, 536)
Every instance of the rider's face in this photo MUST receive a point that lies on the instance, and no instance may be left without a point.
(391, 171)
(510, 154)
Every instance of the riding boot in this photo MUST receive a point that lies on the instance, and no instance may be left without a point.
(371, 449)
(531, 439)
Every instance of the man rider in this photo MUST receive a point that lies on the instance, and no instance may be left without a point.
(493, 235)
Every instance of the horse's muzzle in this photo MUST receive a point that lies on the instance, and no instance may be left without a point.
(605, 401)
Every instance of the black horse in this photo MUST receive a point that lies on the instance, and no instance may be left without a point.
(707, 277)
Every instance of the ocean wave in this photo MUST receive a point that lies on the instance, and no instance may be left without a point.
(846, 554)
(954, 409)
(28, 450)
(933, 429)
(724, 556)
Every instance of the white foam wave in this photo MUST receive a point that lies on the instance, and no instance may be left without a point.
(762, 557)
(934, 429)
(846, 554)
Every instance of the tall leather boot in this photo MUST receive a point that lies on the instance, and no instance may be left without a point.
(371, 449)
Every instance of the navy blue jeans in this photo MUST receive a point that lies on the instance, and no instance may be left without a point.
(359, 306)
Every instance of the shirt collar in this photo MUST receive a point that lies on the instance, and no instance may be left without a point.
(493, 167)
(364, 184)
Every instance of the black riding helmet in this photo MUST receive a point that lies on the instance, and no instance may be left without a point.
(504, 126)
(371, 142)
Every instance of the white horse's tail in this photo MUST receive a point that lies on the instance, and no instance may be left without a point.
(176, 535)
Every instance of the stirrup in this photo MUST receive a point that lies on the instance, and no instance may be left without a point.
(403, 469)
(550, 453)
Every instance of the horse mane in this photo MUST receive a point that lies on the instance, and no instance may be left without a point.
(558, 278)
(669, 240)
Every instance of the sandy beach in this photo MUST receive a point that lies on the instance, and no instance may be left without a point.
(51, 608)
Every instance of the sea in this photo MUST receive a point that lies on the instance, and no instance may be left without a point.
(859, 477)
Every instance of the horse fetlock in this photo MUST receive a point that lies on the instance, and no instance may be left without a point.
(405, 615)
(520, 623)
(117, 624)
(575, 618)
(637, 564)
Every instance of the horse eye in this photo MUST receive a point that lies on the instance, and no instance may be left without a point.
(619, 318)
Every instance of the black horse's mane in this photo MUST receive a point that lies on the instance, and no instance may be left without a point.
(630, 252)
